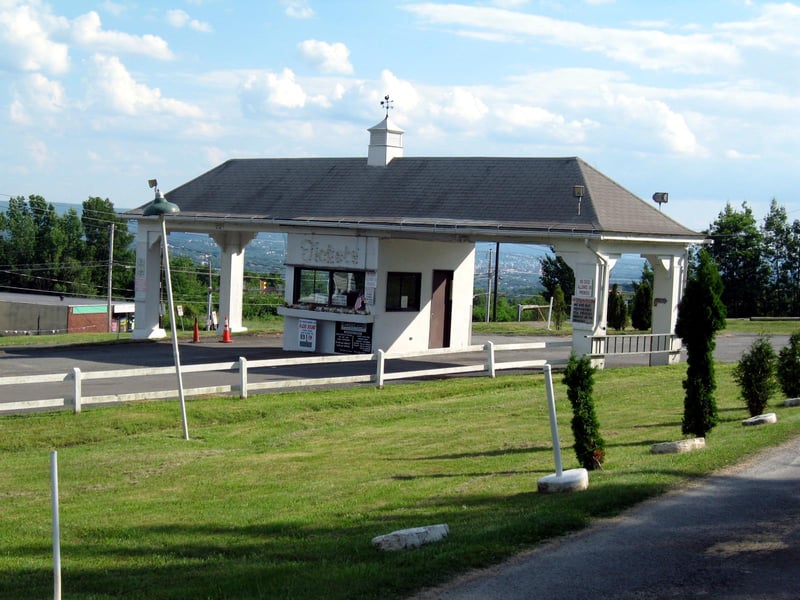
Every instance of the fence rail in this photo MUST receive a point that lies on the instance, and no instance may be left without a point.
(75, 399)
(644, 343)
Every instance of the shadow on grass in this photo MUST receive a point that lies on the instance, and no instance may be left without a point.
(270, 559)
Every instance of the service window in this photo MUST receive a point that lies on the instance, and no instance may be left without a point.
(403, 291)
(329, 288)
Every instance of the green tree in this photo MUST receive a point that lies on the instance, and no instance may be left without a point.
(788, 367)
(781, 250)
(701, 314)
(97, 217)
(559, 307)
(738, 253)
(556, 272)
(755, 374)
(617, 309)
(589, 444)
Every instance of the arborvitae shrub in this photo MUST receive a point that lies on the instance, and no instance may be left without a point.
(755, 374)
(788, 370)
(701, 314)
(589, 444)
(559, 307)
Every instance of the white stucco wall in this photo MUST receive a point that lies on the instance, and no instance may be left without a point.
(392, 331)
(404, 331)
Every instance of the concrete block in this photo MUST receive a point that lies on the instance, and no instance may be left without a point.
(404, 539)
(764, 419)
(791, 402)
(679, 446)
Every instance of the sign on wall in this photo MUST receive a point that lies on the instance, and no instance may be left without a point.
(307, 334)
(582, 311)
(584, 288)
(353, 338)
(334, 251)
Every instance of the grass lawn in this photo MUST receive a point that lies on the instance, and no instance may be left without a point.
(278, 496)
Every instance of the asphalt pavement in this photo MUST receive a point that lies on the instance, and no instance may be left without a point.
(732, 536)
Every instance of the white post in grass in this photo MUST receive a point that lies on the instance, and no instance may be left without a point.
(56, 526)
(551, 408)
(572, 480)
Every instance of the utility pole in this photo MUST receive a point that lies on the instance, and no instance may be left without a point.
(110, 270)
(496, 277)
(210, 290)
(488, 284)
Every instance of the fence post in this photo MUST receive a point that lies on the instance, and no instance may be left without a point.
(242, 378)
(76, 390)
(380, 358)
(489, 347)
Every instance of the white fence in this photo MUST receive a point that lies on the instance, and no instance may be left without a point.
(75, 400)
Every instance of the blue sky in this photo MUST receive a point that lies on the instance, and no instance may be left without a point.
(698, 99)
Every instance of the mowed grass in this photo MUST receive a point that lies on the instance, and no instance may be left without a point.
(278, 496)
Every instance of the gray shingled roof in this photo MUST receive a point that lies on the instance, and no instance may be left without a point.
(529, 194)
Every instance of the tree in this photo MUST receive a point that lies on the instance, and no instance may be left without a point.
(559, 307)
(788, 367)
(556, 272)
(97, 217)
(589, 444)
(701, 314)
(755, 374)
(737, 252)
(642, 313)
(781, 251)
(617, 309)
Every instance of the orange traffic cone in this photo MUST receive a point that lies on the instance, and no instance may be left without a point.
(196, 334)
(226, 333)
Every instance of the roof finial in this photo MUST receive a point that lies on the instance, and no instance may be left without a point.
(387, 104)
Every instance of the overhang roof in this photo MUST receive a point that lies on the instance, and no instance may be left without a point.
(533, 195)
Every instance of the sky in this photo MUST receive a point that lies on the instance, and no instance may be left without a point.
(696, 99)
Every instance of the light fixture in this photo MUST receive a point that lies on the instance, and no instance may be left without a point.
(160, 207)
(577, 192)
(660, 198)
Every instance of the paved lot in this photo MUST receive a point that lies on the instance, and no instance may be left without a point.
(734, 535)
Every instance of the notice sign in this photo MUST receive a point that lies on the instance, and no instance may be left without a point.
(307, 334)
(584, 288)
(582, 310)
(353, 338)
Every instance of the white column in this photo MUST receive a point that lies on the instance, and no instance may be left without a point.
(590, 299)
(668, 281)
(231, 284)
(148, 282)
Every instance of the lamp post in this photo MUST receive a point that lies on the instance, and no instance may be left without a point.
(160, 207)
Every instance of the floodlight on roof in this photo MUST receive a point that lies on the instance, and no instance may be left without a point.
(660, 198)
(577, 192)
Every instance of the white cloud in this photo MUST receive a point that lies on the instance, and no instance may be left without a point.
(775, 29)
(658, 122)
(263, 92)
(38, 152)
(327, 58)
(647, 49)
(115, 86)
(115, 8)
(87, 31)
(25, 39)
(36, 99)
(298, 9)
(462, 105)
(180, 18)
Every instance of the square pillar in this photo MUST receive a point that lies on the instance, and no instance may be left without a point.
(668, 282)
(147, 296)
(231, 284)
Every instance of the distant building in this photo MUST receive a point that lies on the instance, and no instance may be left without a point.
(39, 314)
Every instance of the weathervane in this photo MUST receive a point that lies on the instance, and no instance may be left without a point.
(387, 104)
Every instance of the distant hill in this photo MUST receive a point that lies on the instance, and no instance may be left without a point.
(519, 263)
